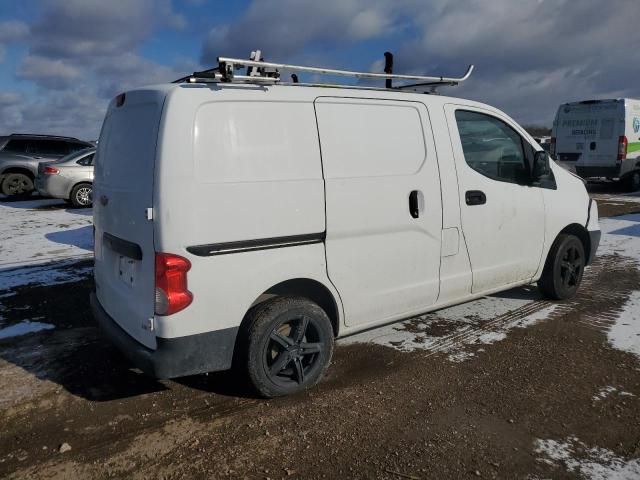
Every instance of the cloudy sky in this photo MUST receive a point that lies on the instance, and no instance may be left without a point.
(62, 60)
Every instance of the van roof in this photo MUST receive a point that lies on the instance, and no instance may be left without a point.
(603, 100)
(306, 92)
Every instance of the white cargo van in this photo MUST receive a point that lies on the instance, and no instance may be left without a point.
(601, 138)
(246, 222)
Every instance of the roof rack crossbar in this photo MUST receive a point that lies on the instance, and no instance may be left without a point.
(228, 65)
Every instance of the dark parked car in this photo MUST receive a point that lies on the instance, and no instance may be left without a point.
(20, 155)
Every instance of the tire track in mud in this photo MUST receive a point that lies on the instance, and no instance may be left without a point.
(605, 289)
(594, 307)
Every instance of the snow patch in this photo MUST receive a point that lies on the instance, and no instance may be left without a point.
(625, 333)
(621, 236)
(593, 463)
(53, 273)
(24, 328)
(39, 231)
(609, 390)
(481, 322)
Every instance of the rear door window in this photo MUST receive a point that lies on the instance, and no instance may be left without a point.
(50, 147)
(492, 148)
(17, 146)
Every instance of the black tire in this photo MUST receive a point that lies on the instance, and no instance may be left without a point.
(632, 182)
(286, 346)
(82, 195)
(563, 269)
(17, 185)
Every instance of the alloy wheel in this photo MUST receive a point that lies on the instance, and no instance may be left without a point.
(84, 196)
(571, 268)
(17, 185)
(292, 351)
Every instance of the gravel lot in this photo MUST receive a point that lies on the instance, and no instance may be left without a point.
(508, 386)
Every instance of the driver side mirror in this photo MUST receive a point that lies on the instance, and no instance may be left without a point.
(541, 167)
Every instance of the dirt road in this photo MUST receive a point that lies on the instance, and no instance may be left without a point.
(509, 386)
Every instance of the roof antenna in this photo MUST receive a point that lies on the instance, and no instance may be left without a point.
(294, 78)
(388, 67)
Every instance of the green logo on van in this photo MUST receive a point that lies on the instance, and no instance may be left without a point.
(636, 124)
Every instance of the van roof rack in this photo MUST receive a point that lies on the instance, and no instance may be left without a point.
(259, 71)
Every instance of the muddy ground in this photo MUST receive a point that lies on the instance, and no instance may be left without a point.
(380, 412)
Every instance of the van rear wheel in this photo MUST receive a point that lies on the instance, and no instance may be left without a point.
(632, 182)
(288, 346)
(563, 269)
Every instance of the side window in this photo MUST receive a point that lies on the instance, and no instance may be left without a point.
(17, 146)
(493, 148)
(50, 147)
(86, 161)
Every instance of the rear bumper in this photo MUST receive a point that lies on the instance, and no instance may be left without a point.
(594, 236)
(591, 172)
(173, 357)
(52, 186)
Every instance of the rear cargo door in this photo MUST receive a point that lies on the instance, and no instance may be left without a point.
(605, 124)
(573, 128)
(123, 191)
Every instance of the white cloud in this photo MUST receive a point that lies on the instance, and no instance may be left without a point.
(368, 24)
(82, 53)
(54, 74)
(91, 28)
(57, 113)
(8, 99)
(11, 31)
(284, 28)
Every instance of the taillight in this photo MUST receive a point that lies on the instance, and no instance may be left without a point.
(622, 148)
(552, 147)
(172, 294)
(50, 171)
(120, 99)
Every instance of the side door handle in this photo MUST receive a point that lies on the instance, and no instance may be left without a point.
(475, 197)
(414, 204)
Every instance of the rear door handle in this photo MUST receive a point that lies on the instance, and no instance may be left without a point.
(475, 197)
(414, 204)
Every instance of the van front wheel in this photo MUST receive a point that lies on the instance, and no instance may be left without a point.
(289, 344)
(564, 268)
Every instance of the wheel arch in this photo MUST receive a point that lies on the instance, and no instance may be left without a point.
(307, 288)
(81, 182)
(22, 170)
(581, 232)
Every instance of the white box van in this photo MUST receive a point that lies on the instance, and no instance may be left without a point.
(602, 137)
(252, 223)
